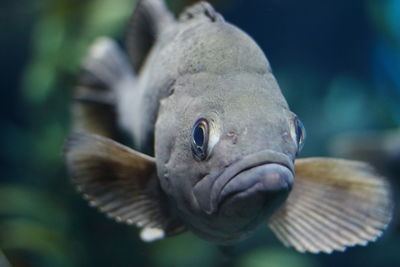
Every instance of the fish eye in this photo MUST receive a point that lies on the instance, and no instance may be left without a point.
(300, 134)
(200, 135)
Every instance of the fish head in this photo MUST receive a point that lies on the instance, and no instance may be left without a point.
(225, 139)
(225, 156)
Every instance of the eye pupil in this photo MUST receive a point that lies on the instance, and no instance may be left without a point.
(299, 131)
(200, 139)
(300, 134)
(198, 136)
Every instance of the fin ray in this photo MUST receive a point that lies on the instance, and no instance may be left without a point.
(334, 204)
(117, 180)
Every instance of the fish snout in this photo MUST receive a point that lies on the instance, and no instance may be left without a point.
(233, 202)
(265, 174)
(261, 178)
(258, 190)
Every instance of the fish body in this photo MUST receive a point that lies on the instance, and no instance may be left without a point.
(215, 141)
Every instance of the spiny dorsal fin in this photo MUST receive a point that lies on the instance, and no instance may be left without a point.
(145, 25)
(201, 9)
(334, 204)
(120, 182)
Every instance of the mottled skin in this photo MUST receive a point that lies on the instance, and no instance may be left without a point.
(201, 68)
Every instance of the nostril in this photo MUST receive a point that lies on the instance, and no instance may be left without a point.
(233, 136)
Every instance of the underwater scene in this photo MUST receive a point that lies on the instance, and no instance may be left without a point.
(337, 64)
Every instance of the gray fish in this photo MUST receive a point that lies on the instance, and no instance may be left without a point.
(215, 141)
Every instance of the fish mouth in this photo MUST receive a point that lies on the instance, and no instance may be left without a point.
(262, 172)
(269, 178)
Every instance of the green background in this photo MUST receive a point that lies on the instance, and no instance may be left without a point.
(338, 64)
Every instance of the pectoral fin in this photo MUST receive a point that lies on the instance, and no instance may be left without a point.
(120, 182)
(334, 204)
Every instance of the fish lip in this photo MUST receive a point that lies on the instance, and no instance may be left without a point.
(265, 157)
(227, 193)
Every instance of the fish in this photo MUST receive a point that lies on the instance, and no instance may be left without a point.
(186, 129)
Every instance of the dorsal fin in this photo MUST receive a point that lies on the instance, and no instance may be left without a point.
(201, 9)
(145, 25)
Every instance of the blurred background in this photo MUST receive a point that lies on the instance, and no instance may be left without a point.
(337, 62)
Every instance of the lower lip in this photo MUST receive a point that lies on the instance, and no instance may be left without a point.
(264, 178)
